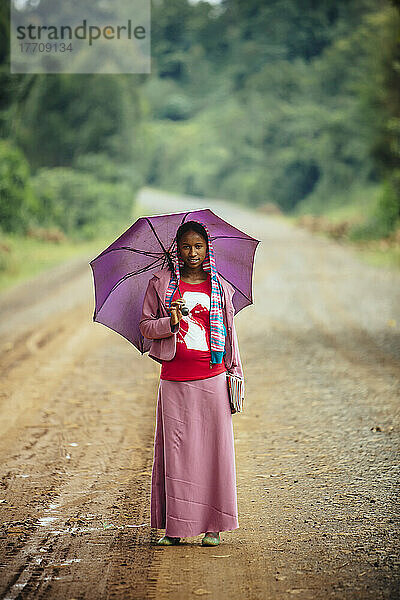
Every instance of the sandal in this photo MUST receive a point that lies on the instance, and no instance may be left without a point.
(166, 540)
(211, 540)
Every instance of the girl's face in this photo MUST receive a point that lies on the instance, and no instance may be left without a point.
(193, 249)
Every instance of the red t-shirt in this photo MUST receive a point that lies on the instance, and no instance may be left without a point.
(193, 355)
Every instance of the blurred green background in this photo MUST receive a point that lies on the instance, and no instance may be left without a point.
(291, 107)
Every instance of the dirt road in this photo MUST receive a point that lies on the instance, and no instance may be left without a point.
(316, 449)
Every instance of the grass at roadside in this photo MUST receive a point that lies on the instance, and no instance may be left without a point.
(27, 257)
(378, 253)
(339, 215)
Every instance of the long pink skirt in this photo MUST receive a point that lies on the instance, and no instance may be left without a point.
(193, 483)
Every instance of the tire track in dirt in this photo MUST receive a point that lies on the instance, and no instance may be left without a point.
(49, 399)
(55, 557)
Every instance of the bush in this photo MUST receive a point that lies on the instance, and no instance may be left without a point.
(78, 203)
(167, 100)
(388, 206)
(385, 217)
(103, 168)
(17, 202)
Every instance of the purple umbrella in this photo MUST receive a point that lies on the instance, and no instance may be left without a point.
(122, 271)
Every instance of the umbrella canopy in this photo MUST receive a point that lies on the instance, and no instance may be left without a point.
(122, 271)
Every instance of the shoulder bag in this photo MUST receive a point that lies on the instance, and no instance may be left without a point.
(235, 392)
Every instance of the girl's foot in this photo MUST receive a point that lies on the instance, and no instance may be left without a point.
(166, 540)
(211, 538)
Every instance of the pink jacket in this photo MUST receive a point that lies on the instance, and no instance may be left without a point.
(155, 323)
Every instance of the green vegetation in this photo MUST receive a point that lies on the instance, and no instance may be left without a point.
(23, 257)
(295, 103)
(17, 201)
(70, 200)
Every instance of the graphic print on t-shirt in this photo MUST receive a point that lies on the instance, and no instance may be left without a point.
(192, 331)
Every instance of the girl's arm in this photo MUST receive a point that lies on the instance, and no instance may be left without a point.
(151, 326)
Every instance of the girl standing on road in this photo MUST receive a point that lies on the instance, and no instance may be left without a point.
(193, 486)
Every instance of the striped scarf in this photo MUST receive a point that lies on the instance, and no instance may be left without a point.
(217, 327)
